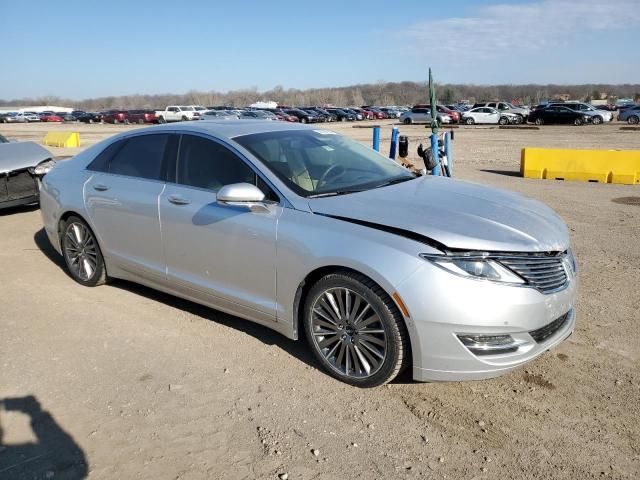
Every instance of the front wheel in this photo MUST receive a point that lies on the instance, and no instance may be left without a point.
(469, 121)
(503, 121)
(161, 120)
(407, 121)
(82, 254)
(577, 122)
(539, 121)
(355, 330)
(597, 120)
(633, 120)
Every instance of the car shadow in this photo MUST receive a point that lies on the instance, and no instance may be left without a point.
(18, 209)
(509, 173)
(42, 242)
(54, 454)
(298, 349)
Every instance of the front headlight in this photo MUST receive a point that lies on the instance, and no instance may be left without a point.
(44, 167)
(476, 267)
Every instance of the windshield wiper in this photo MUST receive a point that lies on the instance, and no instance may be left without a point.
(337, 192)
(393, 181)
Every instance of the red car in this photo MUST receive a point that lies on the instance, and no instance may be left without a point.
(142, 116)
(366, 114)
(286, 117)
(115, 116)
(50, 117)
(379, 114)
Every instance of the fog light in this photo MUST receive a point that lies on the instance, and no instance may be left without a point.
(489, 344)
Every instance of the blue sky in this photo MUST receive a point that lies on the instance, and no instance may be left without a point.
(83, 49)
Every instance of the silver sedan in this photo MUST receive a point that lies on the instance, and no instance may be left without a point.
(315, 235)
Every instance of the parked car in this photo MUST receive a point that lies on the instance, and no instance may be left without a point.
(89, 117)
(21, 165)
(115, 116)
(326, 116)
(422, 115)
(558, 114)
(597, 116)
(284, 116)
(506, 107)
(313, 234)
(391, 112)
(341, 115)
(31, 117)
(442, 110)
(142, 116)
(50, 117)
(218, 115)
(630, 115)
(177, 113)
(377, 113)
(66, 116)
(257, 115)
(489, 116)
(13, 117)
(304, 117)
(366, 114)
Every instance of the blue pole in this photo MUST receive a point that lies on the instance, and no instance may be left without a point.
(376, 139)
(436, 155)
(394, 143)
(448, 151)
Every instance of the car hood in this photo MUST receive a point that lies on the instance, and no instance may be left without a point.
(458, 215)
(19, 155)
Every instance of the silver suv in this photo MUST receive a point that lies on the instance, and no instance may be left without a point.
(506, 107)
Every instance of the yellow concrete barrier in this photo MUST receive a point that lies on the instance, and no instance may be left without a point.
(62, 139)
(606, 166)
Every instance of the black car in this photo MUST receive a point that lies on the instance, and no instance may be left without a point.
(328, 115)
(304, 117)
(89, 117)
(557, 114)
(341, 115)
(66, 116)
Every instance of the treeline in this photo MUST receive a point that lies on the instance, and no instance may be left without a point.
(380, 93)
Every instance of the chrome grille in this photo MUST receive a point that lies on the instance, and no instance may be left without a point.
(546, 273)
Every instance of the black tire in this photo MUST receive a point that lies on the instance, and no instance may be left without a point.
(469, 121)
(597, 120)
(184, 118)
(303, 120)
(126, 121)
(99, 274)
(633, 120)
(161, 120)
(577, 122)
(140, 121)
(539, 121)
(503, 121)
(407, 121)
(396, 354)
(343, 119)
(115, 121)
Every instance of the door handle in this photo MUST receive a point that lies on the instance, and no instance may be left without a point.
(178, 200)
(101, 188)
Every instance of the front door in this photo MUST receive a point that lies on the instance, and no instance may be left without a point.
(222, 255)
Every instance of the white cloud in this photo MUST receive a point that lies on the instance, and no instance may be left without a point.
(503, 29)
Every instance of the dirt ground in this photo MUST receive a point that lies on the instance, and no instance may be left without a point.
(122, 382)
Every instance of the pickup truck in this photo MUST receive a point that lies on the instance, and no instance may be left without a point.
(175, 113)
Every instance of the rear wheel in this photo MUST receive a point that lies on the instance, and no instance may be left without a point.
(597, 120)
(161, 120)
(184, 118)
(140, 121)
(82, 254)
(355, 330)
(469, 121)
(303, 120)
(407, 121)
(539, 121)
(126, 121)
(503, 121)
(633, 120)
(115, 121)
(343, 119)
(577, 122)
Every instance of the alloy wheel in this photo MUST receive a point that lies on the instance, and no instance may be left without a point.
(81, 251)
(348, 333)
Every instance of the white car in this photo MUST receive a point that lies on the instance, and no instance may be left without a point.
(488, 115)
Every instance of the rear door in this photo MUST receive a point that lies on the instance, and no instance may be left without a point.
(121, 198)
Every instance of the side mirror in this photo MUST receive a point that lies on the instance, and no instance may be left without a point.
(240, 194)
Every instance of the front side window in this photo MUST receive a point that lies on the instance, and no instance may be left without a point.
(206, 164)
(140, 157)
(320, 162)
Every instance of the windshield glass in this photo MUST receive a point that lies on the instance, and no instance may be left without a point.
(320, 162)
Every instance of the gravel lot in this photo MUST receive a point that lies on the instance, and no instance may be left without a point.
(130, 383)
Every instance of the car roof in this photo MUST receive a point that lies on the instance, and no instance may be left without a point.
(227, 128)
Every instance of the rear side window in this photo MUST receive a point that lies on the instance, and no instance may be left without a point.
(140, 157)
(101, 162)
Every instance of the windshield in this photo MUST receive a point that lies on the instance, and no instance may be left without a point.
(320, 162)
